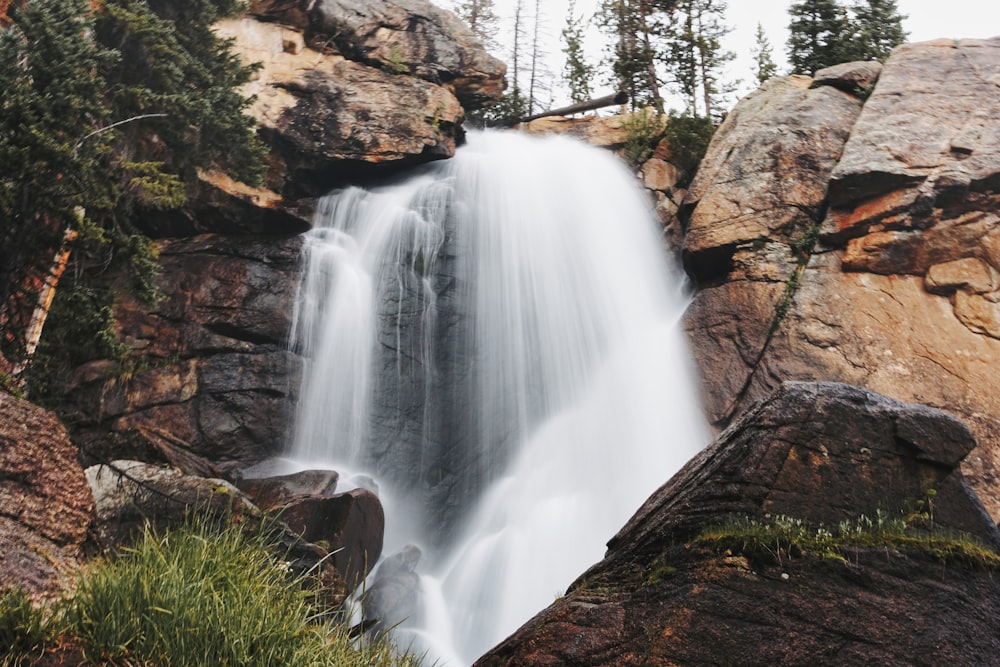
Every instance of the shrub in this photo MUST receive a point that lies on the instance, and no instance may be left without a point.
(688, 137)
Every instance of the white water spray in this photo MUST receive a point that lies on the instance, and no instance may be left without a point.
(496, 340)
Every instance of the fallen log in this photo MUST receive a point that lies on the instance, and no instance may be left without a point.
(620, 97)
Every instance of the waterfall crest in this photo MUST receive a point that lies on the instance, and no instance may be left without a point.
(496, 341)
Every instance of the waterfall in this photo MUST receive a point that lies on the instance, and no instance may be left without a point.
(496, 341)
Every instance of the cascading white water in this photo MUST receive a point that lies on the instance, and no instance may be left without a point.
(496, 340)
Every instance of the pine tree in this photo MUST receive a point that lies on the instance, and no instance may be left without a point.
(537, 73)
(577, 73)
(879, 29)
(764, 66)
(694, 53)
(632, 51)
(109, 110)
(481, 17)
(821, 34)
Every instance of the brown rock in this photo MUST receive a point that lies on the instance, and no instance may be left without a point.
(934, 107)
(971, 274)
(413, 37)
(600, 131)
(856, 78)
(980, 313)
(766, 170)
(215, 379)
(269, 493)
(659, 175)
(46, 507)
(349, 525)
(823, 452)
(908, 215)
(330, 119)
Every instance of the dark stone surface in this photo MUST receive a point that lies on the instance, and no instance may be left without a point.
(349, 525)
(215, 382)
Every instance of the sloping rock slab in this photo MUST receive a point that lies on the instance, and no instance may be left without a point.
(402, 36)
(823, 452)
(46, 507)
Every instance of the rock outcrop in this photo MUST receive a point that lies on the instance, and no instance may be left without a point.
(821, 453)
(46, 507)
(350, 525)
(213, 382)
(863, 248)
(349, 90)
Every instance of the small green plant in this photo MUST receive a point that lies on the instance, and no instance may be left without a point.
(643, 131)
(779, 537)
(24, 630)
(688, 137)
(395, 62)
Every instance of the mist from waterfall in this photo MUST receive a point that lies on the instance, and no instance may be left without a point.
(495, 340)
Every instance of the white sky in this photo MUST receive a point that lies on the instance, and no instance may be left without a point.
(926, 19)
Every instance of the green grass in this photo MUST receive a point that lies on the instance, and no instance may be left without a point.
(24, 630)
(197, 595)
(781, 537)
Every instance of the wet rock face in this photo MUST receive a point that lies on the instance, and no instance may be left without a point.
(46, 507)
(889, 281)
(215, 381)
(823, 452)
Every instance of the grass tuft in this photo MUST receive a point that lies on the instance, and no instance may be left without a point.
(197, 594)
(24, 629)
(775, 538)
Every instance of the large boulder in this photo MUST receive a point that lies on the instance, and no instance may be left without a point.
(413, 37)
(46, 506)
(330, 119)
(350, 525)
(892, 285)
(819, 453)
(214, 381)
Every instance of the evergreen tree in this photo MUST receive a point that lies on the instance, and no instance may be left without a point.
(694, 53)
(577, 73)
(108, 110)
(879, 29)
(481, 17)
(821, 35)
(632, 50)
(538, 73)
(764, 66)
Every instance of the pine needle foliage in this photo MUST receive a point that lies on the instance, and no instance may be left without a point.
(109, 109)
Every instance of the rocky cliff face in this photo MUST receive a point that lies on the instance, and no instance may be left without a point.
(346, 91)
(846, 229)
(820, 453)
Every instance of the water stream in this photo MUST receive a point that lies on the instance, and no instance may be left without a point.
(495, 341)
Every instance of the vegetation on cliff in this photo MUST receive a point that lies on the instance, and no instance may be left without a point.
(197, 594)
(108, 113)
